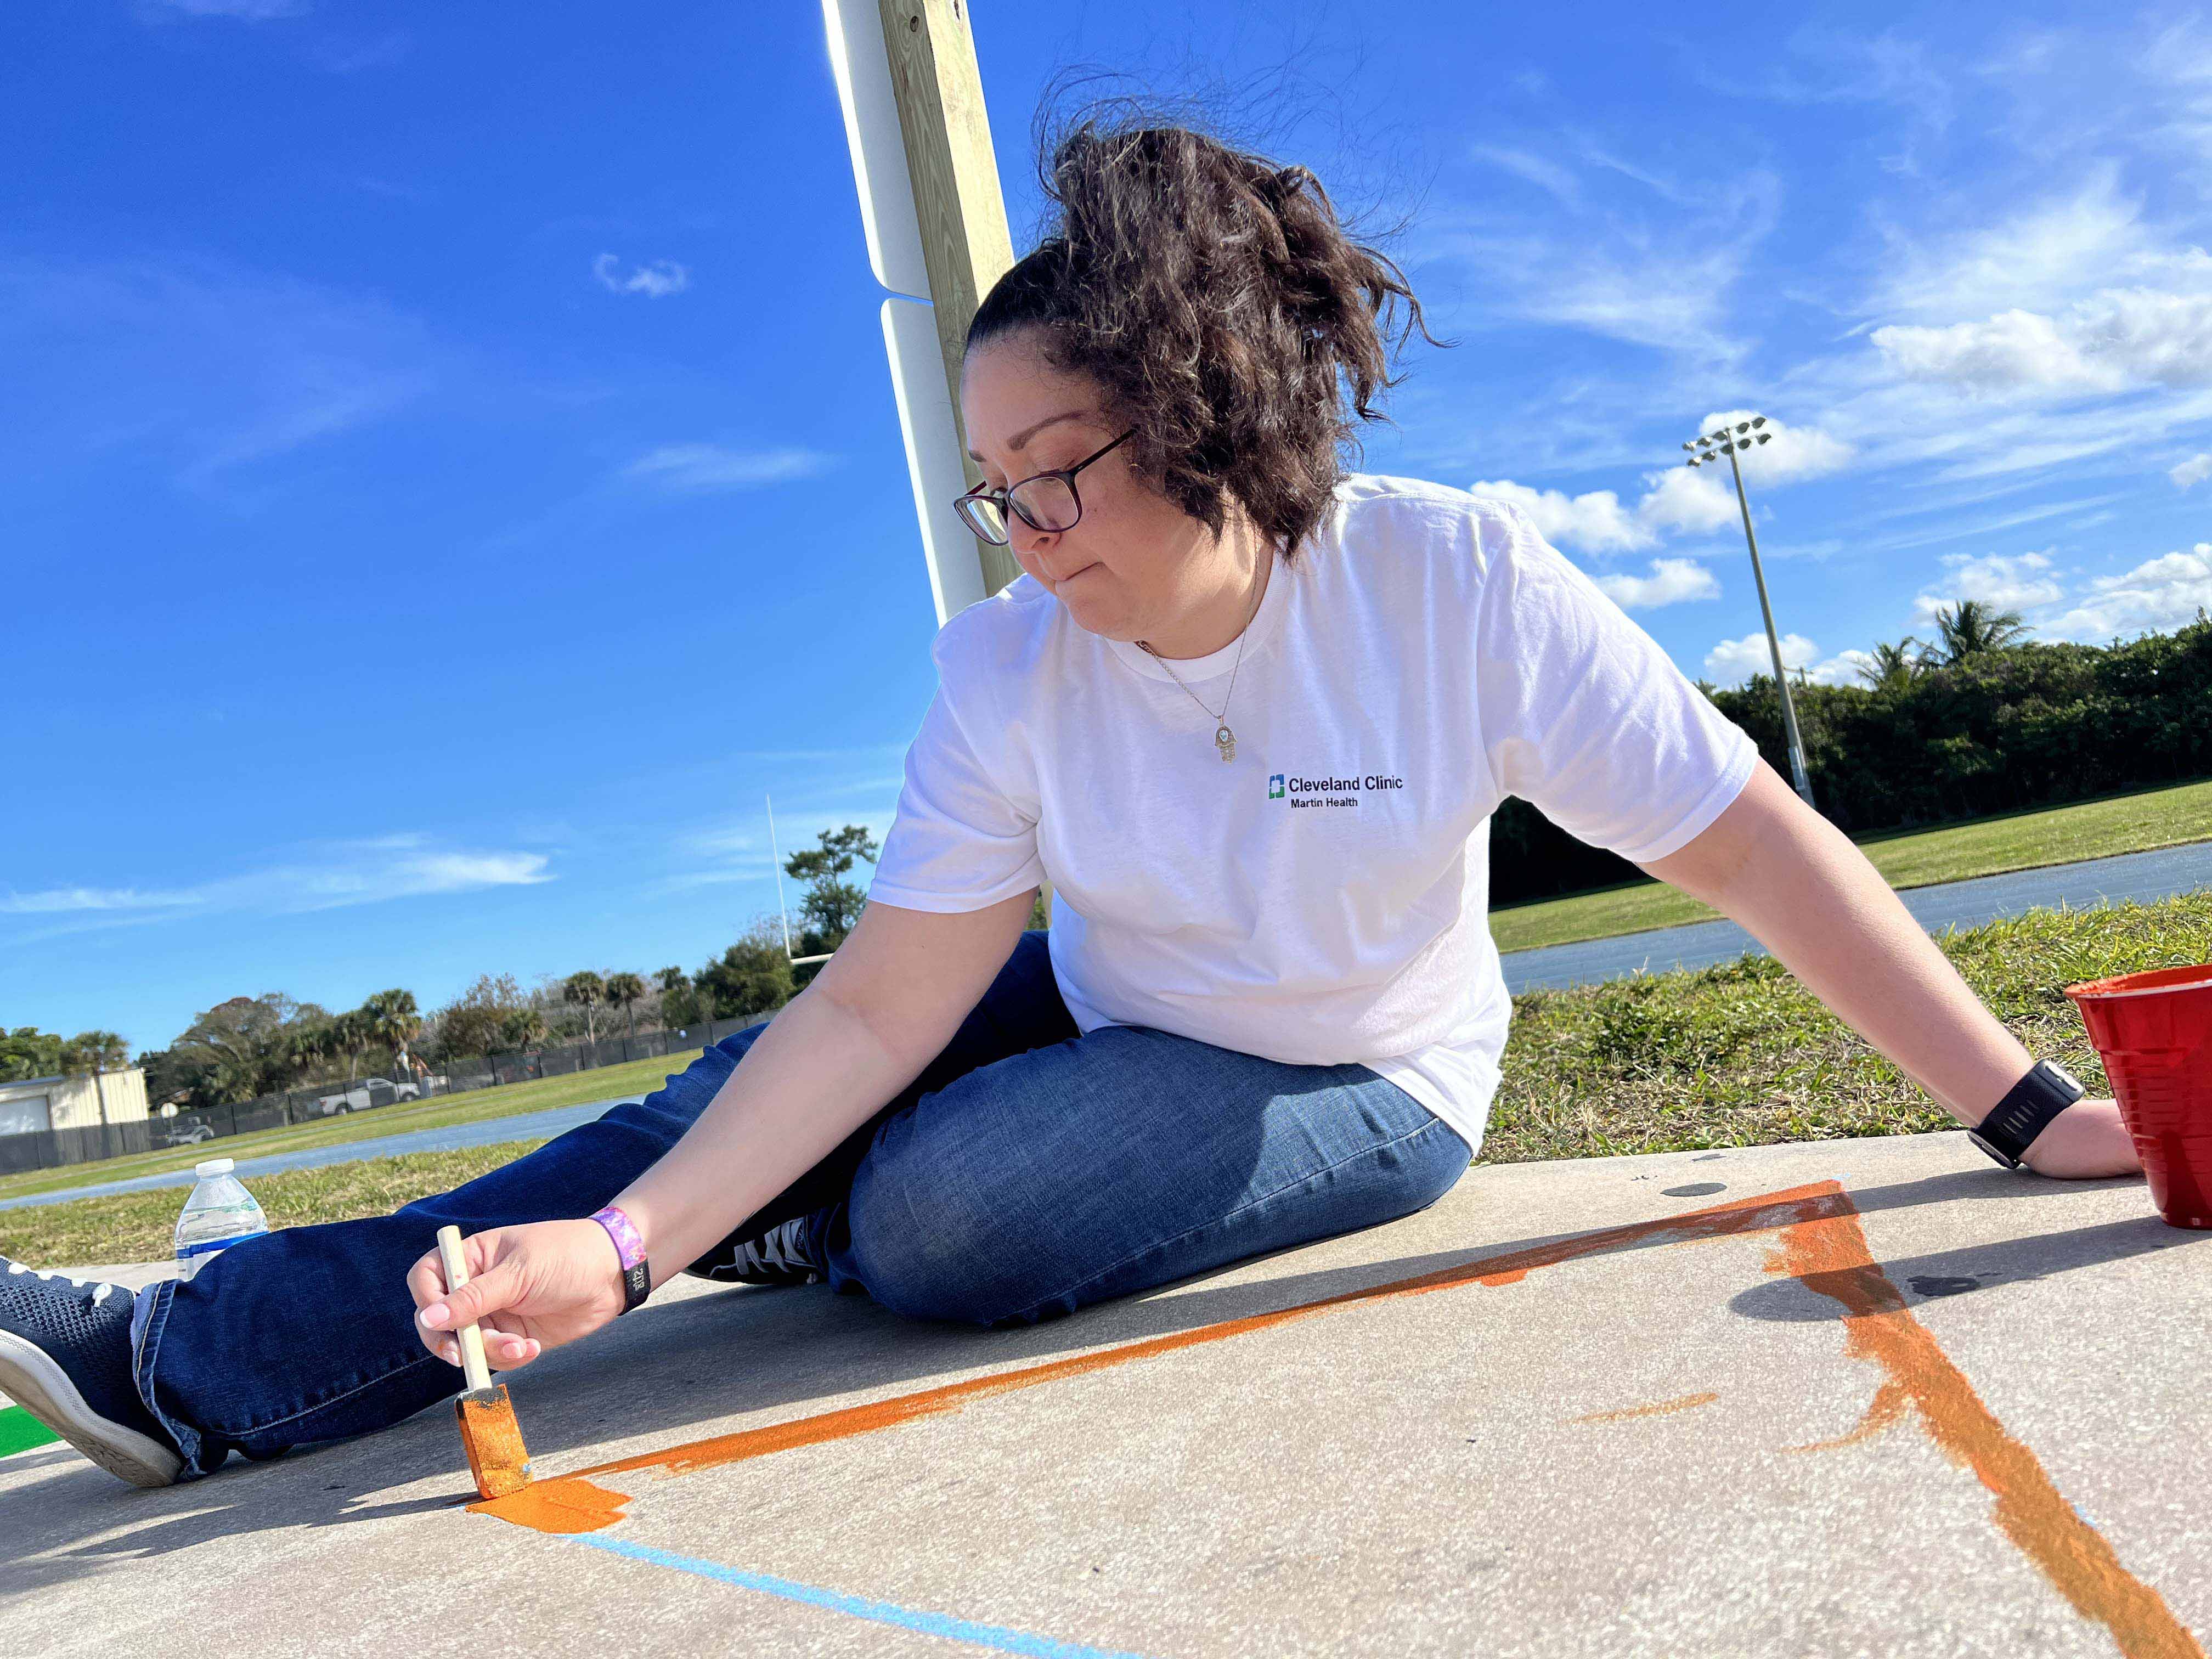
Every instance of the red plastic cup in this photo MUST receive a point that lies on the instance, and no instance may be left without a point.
(2154, 1032)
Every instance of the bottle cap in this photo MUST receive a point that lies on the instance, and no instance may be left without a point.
(213, 1167)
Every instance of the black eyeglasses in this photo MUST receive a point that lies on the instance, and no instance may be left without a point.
(1046, 501)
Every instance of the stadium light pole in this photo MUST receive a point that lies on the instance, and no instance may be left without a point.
(1706, 451)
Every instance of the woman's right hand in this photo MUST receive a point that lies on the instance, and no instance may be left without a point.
(531, 1288)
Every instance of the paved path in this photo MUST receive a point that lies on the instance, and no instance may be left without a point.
(1871, 1396)
(2142, 876)
(523, 1126)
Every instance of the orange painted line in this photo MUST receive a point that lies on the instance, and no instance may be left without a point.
(1821, 1244)
(1829, 1255)
(1664, 1409)
(572, 1503)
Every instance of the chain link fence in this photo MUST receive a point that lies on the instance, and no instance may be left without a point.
(313, 1102)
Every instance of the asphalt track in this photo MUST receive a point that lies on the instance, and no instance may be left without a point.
(2140, 875)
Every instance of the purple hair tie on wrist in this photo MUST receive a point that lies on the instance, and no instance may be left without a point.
(637, 1281)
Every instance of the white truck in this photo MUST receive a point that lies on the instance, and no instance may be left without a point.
(369, 1092)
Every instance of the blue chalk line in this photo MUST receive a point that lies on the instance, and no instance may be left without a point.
(860, 1607)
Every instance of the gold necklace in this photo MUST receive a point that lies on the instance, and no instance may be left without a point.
(1224, 739)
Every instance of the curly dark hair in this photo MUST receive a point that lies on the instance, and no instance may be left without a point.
(1224, 309)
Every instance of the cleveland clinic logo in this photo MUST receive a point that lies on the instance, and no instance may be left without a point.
(1327, 792)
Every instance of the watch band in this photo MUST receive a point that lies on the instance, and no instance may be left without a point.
(637, 1275)
(2026, 1109)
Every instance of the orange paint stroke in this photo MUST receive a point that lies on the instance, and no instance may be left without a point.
(1829, 1255)
(567, 1500)
(1821, 1243)
(1664, 1408)
(1887, 1405)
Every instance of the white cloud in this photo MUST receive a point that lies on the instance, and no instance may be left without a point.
(1596, 522)
(2005, 582)
(1734, 661)
(2116, 338)
(691, 468)
(1680, 498)
(1791, 454)
(1842, 669)
(655, 280)
(2193, 471)
(2158, 595)
(341, 874)
(1672, 581)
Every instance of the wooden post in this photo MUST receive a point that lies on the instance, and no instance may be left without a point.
(962, 215)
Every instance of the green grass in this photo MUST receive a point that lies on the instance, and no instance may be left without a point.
(1920, 858)
(638, 1077)
(1742, 1054)
(1738, 1055)
(142, 1226)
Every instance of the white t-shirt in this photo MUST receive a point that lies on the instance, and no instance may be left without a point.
(1322, 897)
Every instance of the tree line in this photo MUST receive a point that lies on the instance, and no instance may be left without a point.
(1978, 721)
(249, 1047)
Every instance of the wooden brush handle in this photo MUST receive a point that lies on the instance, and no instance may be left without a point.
(473, 1365)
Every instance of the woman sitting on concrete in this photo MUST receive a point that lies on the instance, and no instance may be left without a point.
(1250, 715)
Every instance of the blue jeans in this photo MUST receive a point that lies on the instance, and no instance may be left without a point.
(1028, 1169)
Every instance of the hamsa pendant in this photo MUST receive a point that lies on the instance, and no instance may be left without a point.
(1225, 741)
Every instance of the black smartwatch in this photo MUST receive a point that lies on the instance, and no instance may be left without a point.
(2012, 1126)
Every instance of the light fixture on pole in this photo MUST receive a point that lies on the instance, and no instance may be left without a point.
(1707, 450)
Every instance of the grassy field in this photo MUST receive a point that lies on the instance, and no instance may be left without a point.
(1989, 847)
(639, 1077)
(1738, 1055)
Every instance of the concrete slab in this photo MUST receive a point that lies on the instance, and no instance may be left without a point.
(1863, 1397)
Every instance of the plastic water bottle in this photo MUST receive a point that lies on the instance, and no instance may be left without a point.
(220, 1213)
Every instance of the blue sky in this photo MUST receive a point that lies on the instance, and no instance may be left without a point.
(448, 471)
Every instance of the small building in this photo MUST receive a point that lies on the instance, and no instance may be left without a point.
(73, 1103)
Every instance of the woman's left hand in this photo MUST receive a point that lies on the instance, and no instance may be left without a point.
(2086, 1140)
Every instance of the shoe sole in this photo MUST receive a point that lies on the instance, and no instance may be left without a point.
(29, 1376)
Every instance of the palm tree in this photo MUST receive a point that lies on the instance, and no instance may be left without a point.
(1970, 629)
(623, 990)
(587, 991)
(1896, 666)
(309, 1040)
(523, 1028)
(392, 1020)
(353, 1031)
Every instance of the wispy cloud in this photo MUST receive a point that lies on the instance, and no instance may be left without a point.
(204, 365)
(655, 280)
(697, 467)
(251, 11)
(329, 877)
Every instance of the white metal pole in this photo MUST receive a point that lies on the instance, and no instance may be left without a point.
(1800, 774)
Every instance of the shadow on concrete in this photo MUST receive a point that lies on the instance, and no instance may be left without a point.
(1974, 1267)
(718, 1354)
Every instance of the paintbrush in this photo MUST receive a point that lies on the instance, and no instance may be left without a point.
(489, 1434)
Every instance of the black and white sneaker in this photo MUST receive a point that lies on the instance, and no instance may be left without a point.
(65, 1358)
(778, 1257)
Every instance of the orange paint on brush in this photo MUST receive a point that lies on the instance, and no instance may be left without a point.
(1830, 1255)
(1664, 1408)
